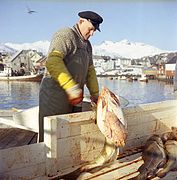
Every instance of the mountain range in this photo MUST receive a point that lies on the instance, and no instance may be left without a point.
(124, 48)
(6, 49)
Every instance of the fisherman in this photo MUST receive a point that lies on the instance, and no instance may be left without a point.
(69, 67)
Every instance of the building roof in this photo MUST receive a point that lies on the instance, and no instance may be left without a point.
(172, 60)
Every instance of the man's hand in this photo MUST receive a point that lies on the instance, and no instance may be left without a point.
(94, 99)
(75, 95)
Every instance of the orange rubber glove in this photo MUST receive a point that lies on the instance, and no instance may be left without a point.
(75, 95)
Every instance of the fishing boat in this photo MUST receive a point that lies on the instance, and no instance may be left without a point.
(33, 77)
(7, 75)
(143, 78)
(70, 140)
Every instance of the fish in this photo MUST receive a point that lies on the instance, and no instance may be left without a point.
(172, 135)
(171, 165)
(110, 118)
(154, 157)
(110, 121)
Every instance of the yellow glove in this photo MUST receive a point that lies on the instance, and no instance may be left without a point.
(75, 95)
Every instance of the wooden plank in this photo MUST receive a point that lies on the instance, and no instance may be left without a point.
(15, 160)
(13, 137)
(119, 169)
(123, 169)
(36, 171)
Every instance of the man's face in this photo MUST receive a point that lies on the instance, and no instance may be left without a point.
(86, 28)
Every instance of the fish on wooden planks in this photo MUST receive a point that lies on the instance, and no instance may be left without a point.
(154, 158)
(172, 135)
(171, 165)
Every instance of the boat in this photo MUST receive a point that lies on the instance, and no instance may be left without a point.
(33, 77)
(143, 78)
(70, 140)
(7, 75)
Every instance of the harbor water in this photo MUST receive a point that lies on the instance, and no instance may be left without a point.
(23, 95)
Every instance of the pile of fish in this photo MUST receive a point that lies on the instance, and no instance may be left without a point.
(159, 155)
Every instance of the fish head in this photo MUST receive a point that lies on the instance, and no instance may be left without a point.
(174, 132)
(107, 94)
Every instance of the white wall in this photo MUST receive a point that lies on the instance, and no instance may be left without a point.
(175, 79)
(170, 67)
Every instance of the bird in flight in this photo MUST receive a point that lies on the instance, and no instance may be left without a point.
(30, 11)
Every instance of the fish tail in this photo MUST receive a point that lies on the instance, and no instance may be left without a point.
(108, 154)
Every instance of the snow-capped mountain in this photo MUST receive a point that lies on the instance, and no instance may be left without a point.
(40, 46)
(125, 49)
(122, 48)
(4, 49)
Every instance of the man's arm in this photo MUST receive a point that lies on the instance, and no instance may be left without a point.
(92, 83)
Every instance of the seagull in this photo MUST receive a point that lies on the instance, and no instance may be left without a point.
(30, 11)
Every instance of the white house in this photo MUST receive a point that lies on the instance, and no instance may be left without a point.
(170, 68)
(175, 79)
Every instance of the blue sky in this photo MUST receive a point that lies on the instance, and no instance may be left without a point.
(152, 22)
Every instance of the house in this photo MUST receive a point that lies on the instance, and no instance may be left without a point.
(125, 62)
(40, 64)
(98, 60)
(175, 79)
(24, 60)
(170, 68)
(151, 72)
(161, 70)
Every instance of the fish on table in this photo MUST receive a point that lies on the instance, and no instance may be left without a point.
(154, 158)
(171, 165)
(172, 135)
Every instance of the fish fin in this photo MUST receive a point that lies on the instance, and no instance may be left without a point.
(141, 176)
(108, 154)
(166, 169)
(162, 173)
(142, 168)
